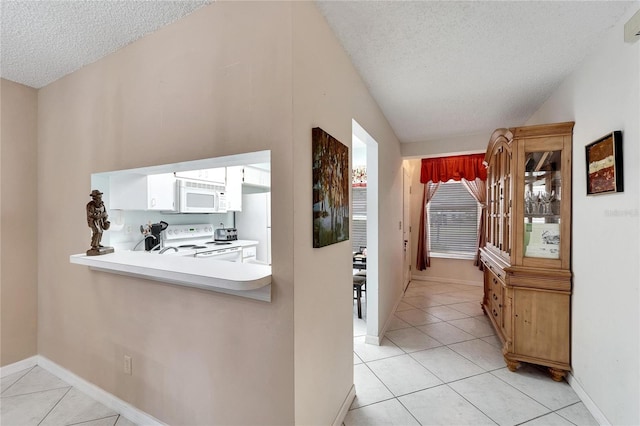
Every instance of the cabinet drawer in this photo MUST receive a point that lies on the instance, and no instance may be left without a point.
(249, 251)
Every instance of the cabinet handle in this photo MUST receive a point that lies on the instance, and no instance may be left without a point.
(499, 305)
(495, 314)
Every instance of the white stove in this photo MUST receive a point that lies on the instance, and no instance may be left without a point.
(197, 241)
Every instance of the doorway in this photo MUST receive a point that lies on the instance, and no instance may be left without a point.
(406, 225)
(371, 154)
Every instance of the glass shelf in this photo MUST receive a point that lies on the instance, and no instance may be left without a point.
(542, 200)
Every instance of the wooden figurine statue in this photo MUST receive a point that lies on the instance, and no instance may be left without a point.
(97, 221)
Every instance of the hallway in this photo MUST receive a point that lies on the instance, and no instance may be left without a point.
(440, 364)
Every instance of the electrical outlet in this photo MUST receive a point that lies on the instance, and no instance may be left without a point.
(127, 365)
(128, 229)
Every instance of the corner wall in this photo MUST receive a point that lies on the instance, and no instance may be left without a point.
(18, 210)
(329, 93)
(215, 83)
(603, 95)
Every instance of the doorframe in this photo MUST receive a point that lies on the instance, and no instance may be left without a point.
(372, 232)
(406, 225)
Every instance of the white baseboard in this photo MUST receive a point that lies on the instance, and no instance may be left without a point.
(587, 401)
(19, 366)
(445, 280)
(345, 407)
(376, 340)
(372, 340)
(132, 413)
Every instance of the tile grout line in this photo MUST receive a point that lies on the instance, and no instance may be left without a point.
(27, 371)
(484, 371)
(472, 404)
(117, 416)
(408, 411)
(490, 371)
(35, 392)
(551, 410)
(55, 405)
(570, 405)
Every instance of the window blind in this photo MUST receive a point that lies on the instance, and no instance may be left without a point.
(453, 220)
(359, 214)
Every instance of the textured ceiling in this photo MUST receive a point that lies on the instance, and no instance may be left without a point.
(443, 68)
(42, 41)
(436, 68)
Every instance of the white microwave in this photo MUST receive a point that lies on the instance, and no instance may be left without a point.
(200, 197)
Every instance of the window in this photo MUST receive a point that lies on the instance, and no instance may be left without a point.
(453, 222)
(359, 214)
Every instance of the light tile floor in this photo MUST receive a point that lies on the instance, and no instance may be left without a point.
(35, 397)
(440, 364)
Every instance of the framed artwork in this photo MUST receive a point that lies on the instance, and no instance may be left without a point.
(604, 164)
(331, 182)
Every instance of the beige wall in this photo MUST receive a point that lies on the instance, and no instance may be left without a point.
(18, 212)
(328, 93)
(601, 96)
(453, 271)
(215, 83)
(230, 78)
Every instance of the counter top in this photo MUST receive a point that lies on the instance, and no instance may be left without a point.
(240, 279)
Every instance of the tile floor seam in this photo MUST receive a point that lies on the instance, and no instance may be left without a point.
(462, 378)
(117, 416)
(27, 371)
(473, 312)
(55, 405)
(372, 403)
(568, 405)
(575, 403)
(472, 404)
(381, 381)
(522, 392)
(487, 370)
(35, 392)
(408, 411)
(419, 350)
(418, 390)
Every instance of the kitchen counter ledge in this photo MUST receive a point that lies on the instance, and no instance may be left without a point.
(240, 279)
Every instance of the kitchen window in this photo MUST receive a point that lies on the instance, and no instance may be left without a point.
(453, 222)
(359, 215)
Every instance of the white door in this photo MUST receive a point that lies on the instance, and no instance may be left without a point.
(406, 226)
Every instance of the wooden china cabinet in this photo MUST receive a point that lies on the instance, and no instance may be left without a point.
(527, 269)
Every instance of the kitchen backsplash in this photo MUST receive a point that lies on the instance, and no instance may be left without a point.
(125, 225)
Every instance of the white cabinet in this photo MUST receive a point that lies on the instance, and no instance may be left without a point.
(257, 176)
(234, 188)
(248, 254)
(217, 175)
(143, 192)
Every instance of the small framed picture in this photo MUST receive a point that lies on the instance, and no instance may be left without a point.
(604, 164)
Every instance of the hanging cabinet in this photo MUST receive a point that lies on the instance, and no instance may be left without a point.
(527, 271)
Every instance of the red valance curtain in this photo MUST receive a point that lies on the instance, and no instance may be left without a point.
(443, 169)
(468, 168)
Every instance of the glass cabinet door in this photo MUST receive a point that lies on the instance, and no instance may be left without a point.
(542, 204)
(499, 201)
